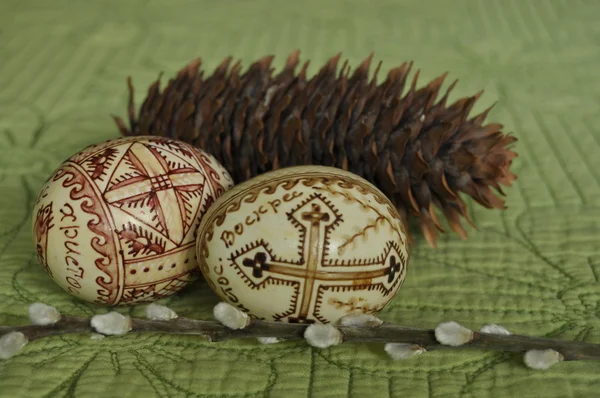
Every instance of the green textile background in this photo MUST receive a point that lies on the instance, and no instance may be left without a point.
(533, 268)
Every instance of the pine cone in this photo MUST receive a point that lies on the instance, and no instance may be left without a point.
(419, 152)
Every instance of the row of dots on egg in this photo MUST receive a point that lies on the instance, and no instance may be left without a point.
(160, 267)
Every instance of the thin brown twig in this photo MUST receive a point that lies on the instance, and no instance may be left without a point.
(385, 333)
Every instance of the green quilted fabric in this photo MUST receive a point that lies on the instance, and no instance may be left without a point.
(533, 268)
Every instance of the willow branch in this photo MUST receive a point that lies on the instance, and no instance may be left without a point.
(385, 333)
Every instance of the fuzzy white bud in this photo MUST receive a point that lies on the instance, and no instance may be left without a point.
(268, 340)
(97, 336)
(453, 334)
(541, 359)
(11, 343)
(398, 351)
(42, 314)
(158, 312)
(322, 335)
(230, 316)
(112, 323)
(361, 320)
(494, 329)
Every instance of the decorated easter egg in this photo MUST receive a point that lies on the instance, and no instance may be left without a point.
(116, 223)
(304, 244)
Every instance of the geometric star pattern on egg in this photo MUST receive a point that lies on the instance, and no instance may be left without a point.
(127, 212)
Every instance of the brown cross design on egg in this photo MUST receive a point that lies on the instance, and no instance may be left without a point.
(258, 264)
(394, 268)
(312, 275)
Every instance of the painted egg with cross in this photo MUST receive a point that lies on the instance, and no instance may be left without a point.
(304, 244)
(116, 223)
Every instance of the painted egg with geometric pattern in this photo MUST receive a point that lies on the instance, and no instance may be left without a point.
(115, 224)
(304, 244)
